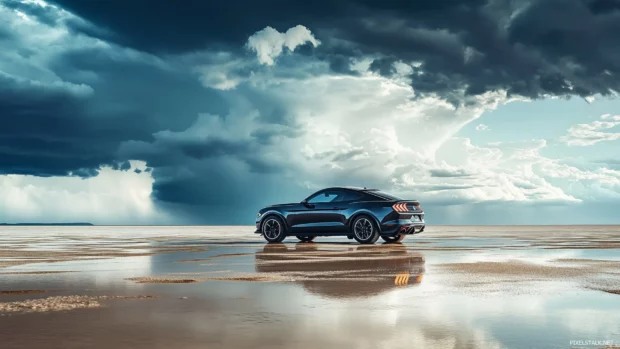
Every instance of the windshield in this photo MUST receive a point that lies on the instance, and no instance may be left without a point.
(386, 195)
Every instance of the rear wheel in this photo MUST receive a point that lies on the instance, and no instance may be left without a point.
(393, 238)
(306, 238)
(365, 230)
(273, 229)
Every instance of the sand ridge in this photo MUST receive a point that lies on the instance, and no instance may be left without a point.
(60, 303)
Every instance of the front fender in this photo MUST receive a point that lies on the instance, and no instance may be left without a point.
(259, 222)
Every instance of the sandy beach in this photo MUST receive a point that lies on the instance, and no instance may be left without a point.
(223, 287)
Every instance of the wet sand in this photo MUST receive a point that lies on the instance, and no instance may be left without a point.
(223, 287)
(60, 303)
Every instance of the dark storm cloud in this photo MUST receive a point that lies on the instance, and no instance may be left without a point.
(340, 64)
(45, 131)
(117, 96)
(168, 26)
(530, 48)
(73, 128)
(550, 47)
(383, 66)
(142, 85)
(177, 150)
(220, 184)
(604, 6)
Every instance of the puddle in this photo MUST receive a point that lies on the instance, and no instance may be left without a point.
(226, 288)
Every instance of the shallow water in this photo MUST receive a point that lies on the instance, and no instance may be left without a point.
(334, 293)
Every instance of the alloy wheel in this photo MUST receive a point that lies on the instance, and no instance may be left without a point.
(272, 229)
(363, 229)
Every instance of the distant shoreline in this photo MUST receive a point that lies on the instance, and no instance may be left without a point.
(46, 224)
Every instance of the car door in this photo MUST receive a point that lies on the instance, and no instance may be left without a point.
(319, 213)
(342, 205)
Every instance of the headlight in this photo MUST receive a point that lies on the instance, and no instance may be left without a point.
(258, 215)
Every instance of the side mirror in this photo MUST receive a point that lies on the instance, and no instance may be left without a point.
(307, 204)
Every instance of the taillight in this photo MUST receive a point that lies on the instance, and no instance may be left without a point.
(400, 207)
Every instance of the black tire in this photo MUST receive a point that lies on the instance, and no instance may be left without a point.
(273, 229)
(364, 230)
(306, 238)
(393, 238)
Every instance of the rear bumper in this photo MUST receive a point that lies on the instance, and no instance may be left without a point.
(412, 229)
(403, 227)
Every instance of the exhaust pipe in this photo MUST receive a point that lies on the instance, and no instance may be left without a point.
(407, 230)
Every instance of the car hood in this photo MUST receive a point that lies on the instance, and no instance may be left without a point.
(282, 205)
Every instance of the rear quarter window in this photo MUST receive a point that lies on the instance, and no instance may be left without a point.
(351, 196)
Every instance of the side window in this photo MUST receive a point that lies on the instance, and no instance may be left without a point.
(326, 196)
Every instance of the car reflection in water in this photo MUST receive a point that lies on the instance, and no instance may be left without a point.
(343, 271)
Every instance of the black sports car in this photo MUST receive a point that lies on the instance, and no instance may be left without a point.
(359, 213)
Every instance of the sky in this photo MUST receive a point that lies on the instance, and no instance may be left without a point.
(202, 112)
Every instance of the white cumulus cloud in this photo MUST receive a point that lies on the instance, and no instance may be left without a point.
(594, 132)
(482, 127)
(269, 43)
(112, 197)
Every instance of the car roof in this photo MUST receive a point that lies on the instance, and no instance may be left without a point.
(350, 188)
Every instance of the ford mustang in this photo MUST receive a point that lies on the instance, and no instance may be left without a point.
(358, 213)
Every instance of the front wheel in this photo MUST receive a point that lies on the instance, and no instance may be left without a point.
(365, 230)
(273, 229)
(306, 238)
(394, 238)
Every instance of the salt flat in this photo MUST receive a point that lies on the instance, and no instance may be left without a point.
(224, 287)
